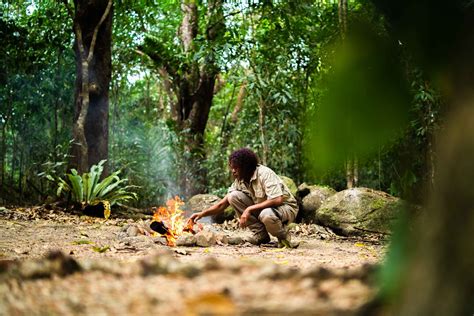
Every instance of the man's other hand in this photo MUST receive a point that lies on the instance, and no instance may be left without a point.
(244, 218)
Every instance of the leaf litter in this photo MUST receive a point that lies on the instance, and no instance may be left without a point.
(140, 274)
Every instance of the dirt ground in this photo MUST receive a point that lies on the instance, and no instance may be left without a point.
(56, 263)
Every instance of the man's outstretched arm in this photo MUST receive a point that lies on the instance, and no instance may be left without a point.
(213, 210)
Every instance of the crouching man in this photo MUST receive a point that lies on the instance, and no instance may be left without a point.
(261, 200)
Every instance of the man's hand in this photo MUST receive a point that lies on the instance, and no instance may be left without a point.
(196, 216)
(244, 218)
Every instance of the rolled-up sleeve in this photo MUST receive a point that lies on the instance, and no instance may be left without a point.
(271, 183)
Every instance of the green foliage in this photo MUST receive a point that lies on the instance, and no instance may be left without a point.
(283, 52)
(366, 104)
(88, 189)
(36, 91)
(282, 45)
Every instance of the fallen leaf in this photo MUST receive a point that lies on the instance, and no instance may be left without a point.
(282, 262)
(276, 250)
(82, 242)
(210, 304)
(101, 249)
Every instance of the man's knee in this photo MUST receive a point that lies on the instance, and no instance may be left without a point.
(234, 196)
(267, 216)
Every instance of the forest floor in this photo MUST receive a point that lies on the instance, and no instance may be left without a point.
(57, 263)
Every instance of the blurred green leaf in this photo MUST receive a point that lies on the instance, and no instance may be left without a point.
(100, 249)
(366, 105)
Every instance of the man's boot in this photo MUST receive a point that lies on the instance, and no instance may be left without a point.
(285, 241)
(259, 238)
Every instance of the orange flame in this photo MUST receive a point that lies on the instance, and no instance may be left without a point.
(172, 217)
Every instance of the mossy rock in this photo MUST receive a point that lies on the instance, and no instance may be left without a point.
(290, 184)
(359, 211)
(310, 198)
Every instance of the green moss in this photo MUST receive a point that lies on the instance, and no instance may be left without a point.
(379, 203)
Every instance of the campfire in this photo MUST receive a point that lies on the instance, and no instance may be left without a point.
(169, 221)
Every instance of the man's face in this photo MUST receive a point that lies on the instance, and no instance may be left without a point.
(235, 171)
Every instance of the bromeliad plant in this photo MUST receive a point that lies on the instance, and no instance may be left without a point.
(87, 190)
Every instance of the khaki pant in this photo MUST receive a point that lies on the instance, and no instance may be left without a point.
(268, 220)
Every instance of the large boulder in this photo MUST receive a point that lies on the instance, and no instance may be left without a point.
(290, 184)
(200, 202)
(359, 211)
(310, 198)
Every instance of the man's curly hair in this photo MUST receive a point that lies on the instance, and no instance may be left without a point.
(246, 160)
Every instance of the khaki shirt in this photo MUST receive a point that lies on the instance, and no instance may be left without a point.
(264, 185)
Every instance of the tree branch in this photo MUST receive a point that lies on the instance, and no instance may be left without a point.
(96, 30)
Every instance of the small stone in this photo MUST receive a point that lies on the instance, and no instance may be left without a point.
(318, 273)
(222, 239)
(181, 252)
(186, 241)
(161, 262)
(212, 264)
(132, 231)
(188, 270)
(55, 263)
(205, 238)
(235, 240)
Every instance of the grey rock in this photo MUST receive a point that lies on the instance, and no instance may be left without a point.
(221, 239)
(132, 231)
(311, 198)
(186, 241)
(359, 211)
(235, 240)
(205, 238)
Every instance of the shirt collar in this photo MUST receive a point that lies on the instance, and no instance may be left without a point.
(254, 176)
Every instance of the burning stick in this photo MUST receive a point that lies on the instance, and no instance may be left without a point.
(159, 227)
(190, 227)
(169, 221)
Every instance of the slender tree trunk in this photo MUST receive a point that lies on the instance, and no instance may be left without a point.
(4, 153)
(93, 29)
(13, 161)
(352, 170)
(4, 138)
(261, 123)
(240, 102)
(342, 14)
(56, 106)
(229, 126)
(429, 150)
(20, 175)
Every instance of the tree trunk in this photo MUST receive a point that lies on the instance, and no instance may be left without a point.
(193, 86)
(439, 279)
(436, 275)
(342, 14)
(261, 123)
(352, 170)
(195, 92)
(93, 29)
